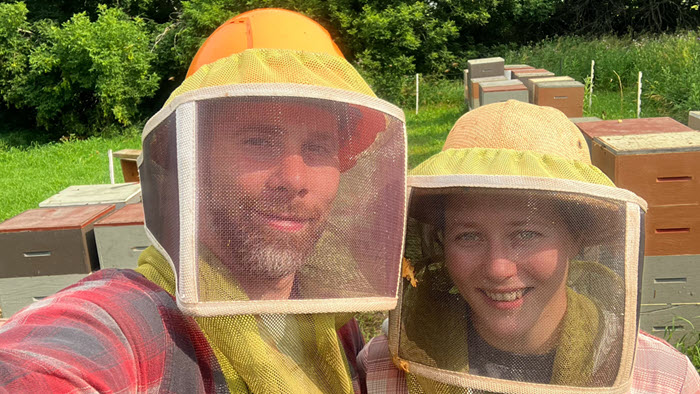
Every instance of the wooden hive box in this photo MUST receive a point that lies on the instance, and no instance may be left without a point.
(671, 279)
(486, 67)
(531, 84)
(121, 237)
(17, 293)
(671, 322)
(586, 119)
(119, 195)
(127, 159)
(474, 86)
(663, 169)
(50, 241)
(499, 91)
(602, 128)
(509, 68)
(694, 120)
(566, 96)
(525, 74)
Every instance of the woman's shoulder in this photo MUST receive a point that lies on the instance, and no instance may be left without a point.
(659, 367)
(377, 372)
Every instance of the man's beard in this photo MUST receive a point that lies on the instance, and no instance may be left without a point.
(251, 249)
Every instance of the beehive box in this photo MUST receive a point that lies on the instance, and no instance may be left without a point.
(499, 91)
(694, 120)
(509, 68)
(121, 237)
(591, 130)
(672, 230)
(663, 169)
(566, 96)
(671, 279)
(486, 67)
(17, 293)
(118, 194)
(531, 84)
(474, 89)
(671, 322)
(50, 241)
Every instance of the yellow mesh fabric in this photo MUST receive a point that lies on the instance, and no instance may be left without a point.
(491, 161)
(277, 66)
(252, 364)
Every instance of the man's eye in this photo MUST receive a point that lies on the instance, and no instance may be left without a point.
(257, 141)
(468, 236)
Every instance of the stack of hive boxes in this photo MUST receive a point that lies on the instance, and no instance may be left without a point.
(480, 71)
(54, 246)
(490, 80)
(657, 158)
(45, 250)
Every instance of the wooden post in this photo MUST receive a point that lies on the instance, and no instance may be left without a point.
(590, 97)
(639, 95)
(417, 77)
(111, 167)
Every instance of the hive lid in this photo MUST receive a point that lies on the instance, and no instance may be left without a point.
(632, 126)
(130, 215)
(559, 84)
(94, 194)
(485, 60)
(58, 218)
(687, 141)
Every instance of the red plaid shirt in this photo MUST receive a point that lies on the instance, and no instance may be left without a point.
(115, 331)
(658, 368)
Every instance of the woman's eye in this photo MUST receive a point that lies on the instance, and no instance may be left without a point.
(526, 235)
(317, 149)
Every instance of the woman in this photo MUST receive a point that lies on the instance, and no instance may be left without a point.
(521, 260)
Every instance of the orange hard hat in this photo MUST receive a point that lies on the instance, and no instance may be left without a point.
(264, 28)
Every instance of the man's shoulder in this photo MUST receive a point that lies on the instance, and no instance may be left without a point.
(660, 366)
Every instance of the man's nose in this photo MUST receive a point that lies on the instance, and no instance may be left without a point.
(290, 177)
(501, 265)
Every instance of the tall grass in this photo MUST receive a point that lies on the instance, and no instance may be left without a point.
(670, 64)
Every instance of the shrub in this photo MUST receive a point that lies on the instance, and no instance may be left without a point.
(84, 77)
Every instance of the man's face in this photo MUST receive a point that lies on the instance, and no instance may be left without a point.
(273, 176)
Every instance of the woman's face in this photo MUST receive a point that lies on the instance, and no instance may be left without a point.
(508, 256)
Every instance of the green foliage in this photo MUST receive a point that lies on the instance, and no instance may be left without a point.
(15, 45)
(85, 77)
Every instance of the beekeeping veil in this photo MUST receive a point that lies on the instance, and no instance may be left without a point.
(522, 262)
(277, 168)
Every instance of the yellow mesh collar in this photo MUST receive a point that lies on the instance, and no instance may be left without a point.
(487, 161)
(277, 66)
(243, 354)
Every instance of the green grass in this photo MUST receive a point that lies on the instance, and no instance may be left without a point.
(32, 173)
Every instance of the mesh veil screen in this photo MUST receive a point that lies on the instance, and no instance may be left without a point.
(159, 187)
(516, 285)
(282, 199)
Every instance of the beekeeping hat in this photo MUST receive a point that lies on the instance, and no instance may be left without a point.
(521, 262)
(273, 178)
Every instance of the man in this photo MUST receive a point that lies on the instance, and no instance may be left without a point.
(273, 187)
